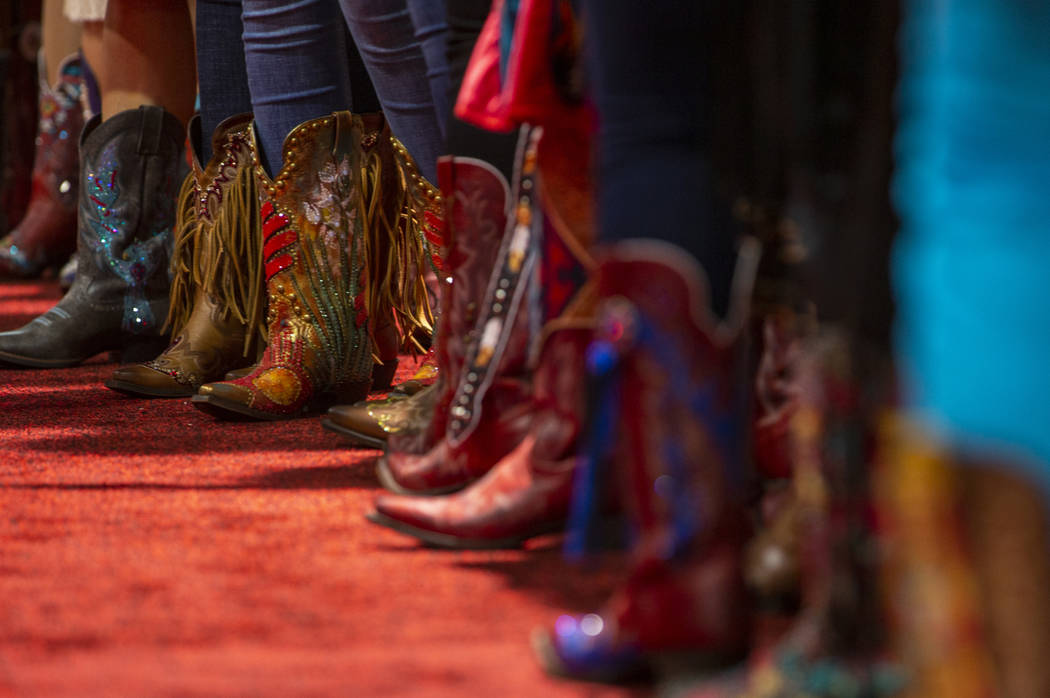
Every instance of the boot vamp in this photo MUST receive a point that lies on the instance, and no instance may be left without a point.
(513, 499)
(73, 330)
(381, 418)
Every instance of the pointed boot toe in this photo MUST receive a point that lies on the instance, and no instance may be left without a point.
(357, 423)
(143, 380)
(229, 401)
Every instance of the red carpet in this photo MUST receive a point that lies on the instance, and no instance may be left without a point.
(147, 550)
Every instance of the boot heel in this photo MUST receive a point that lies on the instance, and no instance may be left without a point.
(383, 374)
(138, 349)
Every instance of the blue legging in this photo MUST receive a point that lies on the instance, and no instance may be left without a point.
(295, 62)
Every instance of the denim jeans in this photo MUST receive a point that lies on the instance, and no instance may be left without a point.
(384, 33)
(428, 18)
(296, 63)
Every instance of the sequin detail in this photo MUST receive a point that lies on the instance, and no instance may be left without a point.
(107, 234)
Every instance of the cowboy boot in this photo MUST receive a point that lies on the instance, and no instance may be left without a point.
(477, 197)
(488, 412)
(314, 249)
(672, 404)
(528, 492)
(46, 236)
(131, 168)
(216, 309)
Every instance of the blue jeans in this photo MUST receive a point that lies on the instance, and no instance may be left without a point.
(296, 63)
(384, 33)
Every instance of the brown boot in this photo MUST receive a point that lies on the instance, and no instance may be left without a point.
(314, 252)
(216, 308)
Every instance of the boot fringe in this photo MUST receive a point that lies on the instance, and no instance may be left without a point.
(229, 267)
(398, 250)
(186, 234)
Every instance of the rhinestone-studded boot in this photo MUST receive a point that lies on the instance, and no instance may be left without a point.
(315, 269)
(476, 197)
(671, 400)
(216, 300)
(47, 235)
(132, 165)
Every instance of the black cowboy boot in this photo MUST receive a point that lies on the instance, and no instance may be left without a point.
(132, 167)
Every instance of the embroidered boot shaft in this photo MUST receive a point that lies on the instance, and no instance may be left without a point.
(132, 165)
(46, 236)
(315, 266)
(217, 301)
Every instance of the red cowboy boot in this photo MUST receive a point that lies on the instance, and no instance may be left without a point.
(216, 309)
(46, 236)
(527, 493)
(314, 251)
(675, 415)
(489, 412)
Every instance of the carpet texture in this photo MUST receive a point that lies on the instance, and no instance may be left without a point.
(148, 550)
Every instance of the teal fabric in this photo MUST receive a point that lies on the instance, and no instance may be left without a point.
(972, 263)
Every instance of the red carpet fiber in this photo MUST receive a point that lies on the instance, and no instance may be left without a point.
(148, 550)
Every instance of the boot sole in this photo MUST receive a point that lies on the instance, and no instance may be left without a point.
(229, 411)
(357, 438)
(134, 390)
(450, 542)
(667, 663)
(386, 479)
(30, 362)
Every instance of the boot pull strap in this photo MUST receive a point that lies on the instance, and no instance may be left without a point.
(343, 138)
(151, 129)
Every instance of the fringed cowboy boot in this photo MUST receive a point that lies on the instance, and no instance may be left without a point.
(527, 493)
(670, 409)
(315, 265)
(217, 306)
(403, 212)
(132, 166)
(489, 411)
(46, 236)
(477, 199)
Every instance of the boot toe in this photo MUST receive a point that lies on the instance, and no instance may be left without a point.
(139, 379)
(225, 392)
(357, 418)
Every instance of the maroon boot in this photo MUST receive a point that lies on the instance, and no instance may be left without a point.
(673, 404)
(490, 409)
(46, 235)
(527, 493)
